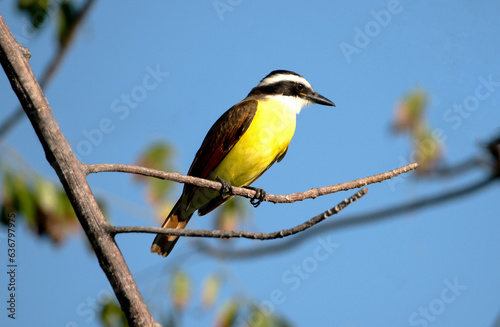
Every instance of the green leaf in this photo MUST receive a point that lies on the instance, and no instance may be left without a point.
(230, 215)
(112, 315)
(17, 196)
(428, 150)
(180, 289)
(410, 112)
(416, 101)
(227, 315)
(55, 215)
(47, 195)
(36, 9)
(67, 18)
(157, 190)
(7, 201)
(211, 288)
(158, 156)
(42, 203)
(259, 317)
(410, 117)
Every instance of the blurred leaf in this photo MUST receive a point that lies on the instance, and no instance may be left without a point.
(112, 315)
(55, 215)
(157, 189)
(259, 317)
(157, 156)
(227, 315)
(230, 215)
(44, 205)
(17, 197)
(162, 210)
(47, 196)
(169, 320)
(36, 10)
(210, 291)
(180, 289)
(24, 198)
(410, 112)
(428, 150)
(67, 18)
(410, 117)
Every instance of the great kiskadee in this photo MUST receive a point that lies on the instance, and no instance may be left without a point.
(242, 144)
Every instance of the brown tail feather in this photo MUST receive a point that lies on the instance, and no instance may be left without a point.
(163, 244)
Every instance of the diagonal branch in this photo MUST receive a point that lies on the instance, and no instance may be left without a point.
(370, 217)
(288, 198)
(72, 177)
(240, 234)
(18, 114)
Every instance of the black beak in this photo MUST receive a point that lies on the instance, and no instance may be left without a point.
(319, 99)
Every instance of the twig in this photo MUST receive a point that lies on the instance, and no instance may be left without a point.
(370, 217)
(113, 230)
(289, 198)
(458, 169)
(18, 114)
(73, 178)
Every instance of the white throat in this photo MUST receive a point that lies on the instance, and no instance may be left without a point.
(295, 104)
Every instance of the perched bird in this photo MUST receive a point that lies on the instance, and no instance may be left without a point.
(242, 144)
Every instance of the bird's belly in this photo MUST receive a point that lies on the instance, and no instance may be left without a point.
(265, 140)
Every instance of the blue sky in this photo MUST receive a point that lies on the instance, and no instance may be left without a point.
(440, 260)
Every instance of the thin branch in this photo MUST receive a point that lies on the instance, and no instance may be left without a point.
(452, 171)
(73, 178)
(490, 161)
(370, 217)
(16, 116)
(113, 230)
(289, 198)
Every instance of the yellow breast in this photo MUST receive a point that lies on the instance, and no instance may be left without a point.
(265, 140)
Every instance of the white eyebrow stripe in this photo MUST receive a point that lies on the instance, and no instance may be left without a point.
(284, 77)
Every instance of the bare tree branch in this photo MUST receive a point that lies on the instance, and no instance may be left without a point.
(458, 169)
(59, 154)
(370, 217)
(16, 116)
(289, 198)
(241, 234)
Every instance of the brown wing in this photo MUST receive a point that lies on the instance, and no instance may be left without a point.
(280, 157)
(221, 138)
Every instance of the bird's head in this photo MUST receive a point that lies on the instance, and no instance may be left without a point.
(289, 87)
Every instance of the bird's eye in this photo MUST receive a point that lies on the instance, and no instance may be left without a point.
(300, 87)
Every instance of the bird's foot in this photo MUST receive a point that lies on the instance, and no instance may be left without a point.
(259, 196)
(226, 188)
